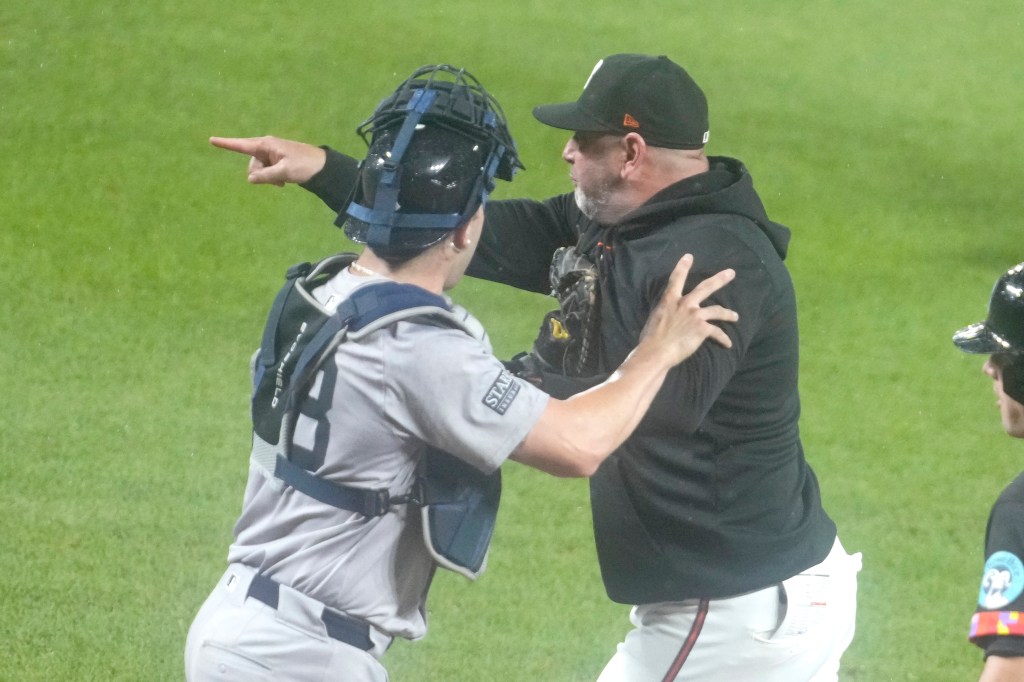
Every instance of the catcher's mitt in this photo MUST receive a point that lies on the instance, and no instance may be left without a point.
(567, 339)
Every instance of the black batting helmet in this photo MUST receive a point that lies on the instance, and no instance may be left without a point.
(1002, 332)
(436, 145)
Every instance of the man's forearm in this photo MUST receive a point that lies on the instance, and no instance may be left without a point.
(574, 436)
(1003, 669)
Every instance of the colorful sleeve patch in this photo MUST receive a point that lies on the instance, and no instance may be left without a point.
(997, 623)
(1002, 581)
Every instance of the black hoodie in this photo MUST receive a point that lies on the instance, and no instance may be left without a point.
(711, 496)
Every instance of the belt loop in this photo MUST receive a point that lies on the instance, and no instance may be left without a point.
(265, 590)
(345, 629)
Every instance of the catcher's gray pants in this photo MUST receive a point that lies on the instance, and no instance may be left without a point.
(235, 637)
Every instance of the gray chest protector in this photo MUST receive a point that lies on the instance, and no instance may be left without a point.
(458, 503)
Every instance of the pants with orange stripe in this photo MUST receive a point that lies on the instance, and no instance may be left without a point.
(792, 632)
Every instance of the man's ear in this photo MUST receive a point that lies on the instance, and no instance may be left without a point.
(462, 236)
(636, 149)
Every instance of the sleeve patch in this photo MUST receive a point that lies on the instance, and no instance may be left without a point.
(997, 623)
(1002, 582)
(502, 392)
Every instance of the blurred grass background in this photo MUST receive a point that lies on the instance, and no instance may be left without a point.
(136, 267)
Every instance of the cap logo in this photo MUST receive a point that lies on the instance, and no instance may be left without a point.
(630, 122)
(591, 76)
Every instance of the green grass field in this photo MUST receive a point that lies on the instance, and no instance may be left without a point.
(136, 266)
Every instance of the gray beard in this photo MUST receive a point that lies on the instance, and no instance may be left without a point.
(598, 206)
(595, 208)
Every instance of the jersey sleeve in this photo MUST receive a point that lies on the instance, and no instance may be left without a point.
(519, 238)
(694, 387)
(450, 392)
(998, 623)
(335, 181)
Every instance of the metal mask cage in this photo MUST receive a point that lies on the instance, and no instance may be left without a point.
(435, 96)
(460, 102)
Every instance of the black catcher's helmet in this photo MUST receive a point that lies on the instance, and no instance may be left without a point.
(1002, 332)
(435, 146)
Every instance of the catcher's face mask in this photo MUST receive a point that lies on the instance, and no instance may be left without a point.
(435, 147)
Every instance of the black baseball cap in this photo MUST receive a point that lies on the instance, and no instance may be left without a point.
(636, 93)
(1003, 329)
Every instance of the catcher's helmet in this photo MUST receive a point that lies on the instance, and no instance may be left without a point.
(435, 146)
(1002, 332)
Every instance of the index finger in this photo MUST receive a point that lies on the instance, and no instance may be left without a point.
(242, 145)
(677, 278)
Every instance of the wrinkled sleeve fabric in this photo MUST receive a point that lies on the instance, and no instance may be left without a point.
(462, 401)
(519, 238)
(693, 388)
(334, 183)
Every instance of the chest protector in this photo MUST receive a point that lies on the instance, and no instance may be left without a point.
(458, 504)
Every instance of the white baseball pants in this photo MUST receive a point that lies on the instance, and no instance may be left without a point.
(792, 632)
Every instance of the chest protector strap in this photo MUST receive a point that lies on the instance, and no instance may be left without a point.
(458, 503)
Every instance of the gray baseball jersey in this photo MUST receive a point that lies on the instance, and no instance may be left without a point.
(367, 420)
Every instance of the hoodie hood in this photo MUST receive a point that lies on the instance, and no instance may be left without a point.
(726, 187)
